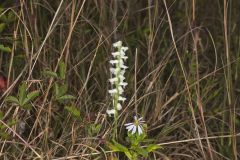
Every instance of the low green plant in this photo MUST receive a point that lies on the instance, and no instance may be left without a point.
(6, 18)
(60, 92)
(60, 86)
(10, 123)
(93, 129)
(23, 98)
(134, 150)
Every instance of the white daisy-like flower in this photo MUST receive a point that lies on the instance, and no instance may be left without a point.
(136, 126)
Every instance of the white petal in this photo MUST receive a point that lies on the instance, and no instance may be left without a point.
(122, 72)
(120, 98)
(111, 111)
(140, 118)
(129, 128)
(112, 80)
(113, 61)
(120, 62)
(124, 84)
(114, 70)
(121, 77)
(142, 122)
(139, 130)
(127, 124)
(112, 91)
(117, 44)
(135, 118)
(124, 49)
(120, 89)
(123, 66)
(122, 53)
(119, 106)
(124, 57)
(134, 129)
(115, 54)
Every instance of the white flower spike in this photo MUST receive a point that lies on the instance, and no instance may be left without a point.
(136, 126)
(117, 80)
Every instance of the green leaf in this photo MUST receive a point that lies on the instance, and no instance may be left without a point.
(96, 128)
(117, 147)
(63, 90)
(152, 147)
(60, 90)
(113, 147)
(93, 129)
(62, 70)
(66, 97)
(56, 90)
(50, 74)
(2, 27)
(4, 49)
(12, 99)
(31, 96)
(141, 151)
(22, 93)
(73, 110)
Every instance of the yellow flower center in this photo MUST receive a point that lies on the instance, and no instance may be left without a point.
(136, 122)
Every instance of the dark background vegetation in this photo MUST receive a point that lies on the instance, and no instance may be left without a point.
(183, 76)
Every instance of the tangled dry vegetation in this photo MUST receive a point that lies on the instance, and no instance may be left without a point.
(183, 77)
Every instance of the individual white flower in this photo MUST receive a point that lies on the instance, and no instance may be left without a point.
(115, 71)
(111, 112)
(124, 84)
(120, 98)
(115, 54)
(124, 49)
(112, 91)
(117, 44)
(120, 89)
(124, 57)
(119, 106)
(113, 80)
(136, 126)
(121, 77)
(113, 61)
(123, 66)
(122, 53)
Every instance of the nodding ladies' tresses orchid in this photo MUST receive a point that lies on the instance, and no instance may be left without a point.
(117, 81)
